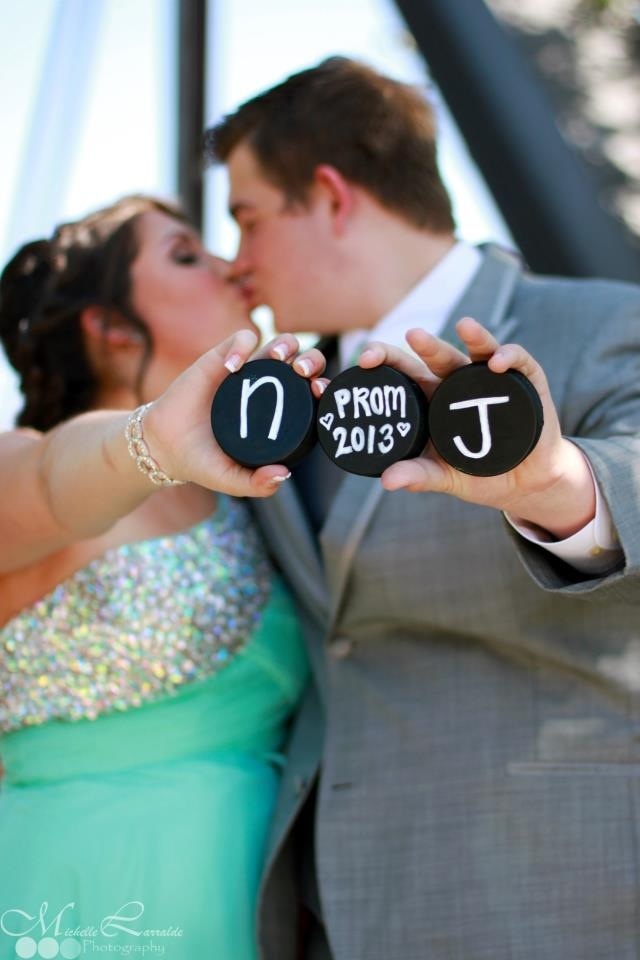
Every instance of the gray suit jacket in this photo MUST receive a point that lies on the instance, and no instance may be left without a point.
(479, 796)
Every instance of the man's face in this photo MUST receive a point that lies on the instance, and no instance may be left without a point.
(287, 252)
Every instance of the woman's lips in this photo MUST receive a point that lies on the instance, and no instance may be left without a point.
(245, 292)
(249, 296)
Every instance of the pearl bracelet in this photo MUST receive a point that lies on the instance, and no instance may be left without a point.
(140, 451)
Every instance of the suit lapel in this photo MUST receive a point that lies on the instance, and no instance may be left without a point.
(352, 508)
(352, 511)
(288, 531)
(489, 295)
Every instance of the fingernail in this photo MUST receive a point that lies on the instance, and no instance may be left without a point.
(305, 366)
(233, 363)
(366, 353)
(280, 351)
(280, 479)
(321, 386)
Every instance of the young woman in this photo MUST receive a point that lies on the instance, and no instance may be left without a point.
(149, 656)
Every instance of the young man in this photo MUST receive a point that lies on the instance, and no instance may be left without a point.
(479, 775)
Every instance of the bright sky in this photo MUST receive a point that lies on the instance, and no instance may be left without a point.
(88, 104)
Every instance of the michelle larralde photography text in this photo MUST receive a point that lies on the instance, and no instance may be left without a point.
(51, 933)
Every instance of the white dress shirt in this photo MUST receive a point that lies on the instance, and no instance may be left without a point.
(594, 549)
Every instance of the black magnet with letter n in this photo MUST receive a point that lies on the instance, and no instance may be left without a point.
(265, 413)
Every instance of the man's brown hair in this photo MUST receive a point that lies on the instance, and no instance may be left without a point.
(379, 133)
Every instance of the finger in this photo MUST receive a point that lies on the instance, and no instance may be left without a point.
(214, 365)
(479, 342)
(265, 481)
(511, 356)
(319, 386)
(377, 353)
(241, 482)
(419, 475)
(310, 363)
(235, 350)
(283, 347)
(440, 357)
(500, 357)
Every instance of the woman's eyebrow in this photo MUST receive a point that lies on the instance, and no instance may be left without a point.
(181, 233)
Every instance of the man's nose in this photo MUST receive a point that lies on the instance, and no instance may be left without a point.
(240, 266)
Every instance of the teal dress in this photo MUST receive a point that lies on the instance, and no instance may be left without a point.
(143, 704)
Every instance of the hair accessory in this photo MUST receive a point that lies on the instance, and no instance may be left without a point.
(24, 328)
(140, 451)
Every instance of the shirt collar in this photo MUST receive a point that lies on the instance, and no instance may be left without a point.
(427, 305)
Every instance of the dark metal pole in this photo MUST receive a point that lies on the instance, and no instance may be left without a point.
(191, 81)
(542, 187)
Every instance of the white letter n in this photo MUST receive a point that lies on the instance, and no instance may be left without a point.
(247, 389)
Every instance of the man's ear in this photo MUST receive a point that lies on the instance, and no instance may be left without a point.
(340, 193)
(101, 326)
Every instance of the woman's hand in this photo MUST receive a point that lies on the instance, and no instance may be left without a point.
(77, 480)
(177, 428)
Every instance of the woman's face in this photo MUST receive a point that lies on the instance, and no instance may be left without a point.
(182, 294)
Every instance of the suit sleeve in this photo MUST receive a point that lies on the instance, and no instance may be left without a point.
(600, 412)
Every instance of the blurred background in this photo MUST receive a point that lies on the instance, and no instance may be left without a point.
(538, 105)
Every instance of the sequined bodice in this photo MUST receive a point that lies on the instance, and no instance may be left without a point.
(136, 623)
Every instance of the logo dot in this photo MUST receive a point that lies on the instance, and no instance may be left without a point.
(70, 949)
(48, 948)
(25, 948)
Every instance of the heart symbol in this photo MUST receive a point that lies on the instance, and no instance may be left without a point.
(327, 420)
(403, 428)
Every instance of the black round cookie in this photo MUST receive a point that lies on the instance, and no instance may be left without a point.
(485, 423)
(368, 419)
(264, 413)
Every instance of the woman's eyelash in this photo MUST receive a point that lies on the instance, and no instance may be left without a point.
(186, 257)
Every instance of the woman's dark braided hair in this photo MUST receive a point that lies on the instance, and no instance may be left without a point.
(43, 290)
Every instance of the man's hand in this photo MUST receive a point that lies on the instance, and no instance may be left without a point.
(552, 488)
